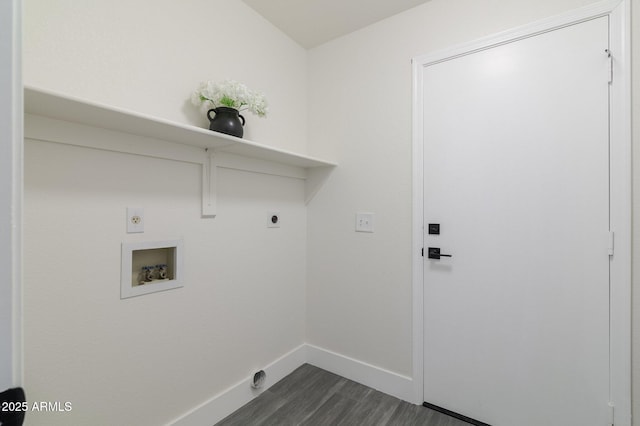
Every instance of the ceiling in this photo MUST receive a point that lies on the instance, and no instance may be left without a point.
(313, 22)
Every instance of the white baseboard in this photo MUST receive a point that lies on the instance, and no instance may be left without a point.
(391, 383)
(226, 402)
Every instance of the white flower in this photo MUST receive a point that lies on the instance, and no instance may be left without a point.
(229, 93)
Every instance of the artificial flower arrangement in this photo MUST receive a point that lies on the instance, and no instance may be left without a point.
(231, 94)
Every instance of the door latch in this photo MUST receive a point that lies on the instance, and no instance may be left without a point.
(434, 253)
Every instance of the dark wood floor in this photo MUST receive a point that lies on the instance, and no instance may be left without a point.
(312, 396)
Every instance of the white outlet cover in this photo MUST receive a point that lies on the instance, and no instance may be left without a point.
(135, 220)
(364, 222)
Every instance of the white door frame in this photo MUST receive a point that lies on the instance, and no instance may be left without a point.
(618, 12)
(11, 131)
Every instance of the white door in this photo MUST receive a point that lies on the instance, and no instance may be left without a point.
(516, 173)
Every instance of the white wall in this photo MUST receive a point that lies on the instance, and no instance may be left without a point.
(150, 359)
(148, 56)
(364, 280)
(10, 192)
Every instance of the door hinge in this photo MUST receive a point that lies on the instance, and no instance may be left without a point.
(422, 251)
(609, 66)
(611, 243)
(611, 414)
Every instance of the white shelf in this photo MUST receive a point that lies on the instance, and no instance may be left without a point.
(61, 107)
(59, 118)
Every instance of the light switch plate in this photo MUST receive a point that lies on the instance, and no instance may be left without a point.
(364, 222)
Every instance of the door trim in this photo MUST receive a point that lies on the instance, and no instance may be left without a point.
(11, 131)
(618, 12)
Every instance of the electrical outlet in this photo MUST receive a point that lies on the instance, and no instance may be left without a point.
(273, 220)
(135, 220)
(364, 222)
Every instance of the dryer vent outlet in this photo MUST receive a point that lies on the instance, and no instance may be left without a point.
(257, 381)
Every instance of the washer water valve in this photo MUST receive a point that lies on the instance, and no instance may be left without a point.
(162, 271)
(154, 273)
(147, 274)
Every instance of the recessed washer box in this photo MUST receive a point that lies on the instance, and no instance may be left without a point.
(150, 266)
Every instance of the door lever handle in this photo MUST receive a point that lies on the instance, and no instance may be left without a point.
(434, 253)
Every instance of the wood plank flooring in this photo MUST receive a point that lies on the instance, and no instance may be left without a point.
(311, 396)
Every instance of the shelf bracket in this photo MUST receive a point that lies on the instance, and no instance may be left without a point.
(209, 184)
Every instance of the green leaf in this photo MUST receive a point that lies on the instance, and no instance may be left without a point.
(228, 102)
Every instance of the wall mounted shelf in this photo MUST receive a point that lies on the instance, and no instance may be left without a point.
(49, 116)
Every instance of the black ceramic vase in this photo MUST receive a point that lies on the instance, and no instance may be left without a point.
(226, 120)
